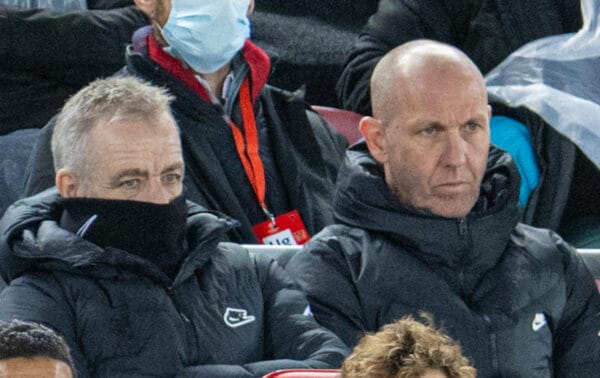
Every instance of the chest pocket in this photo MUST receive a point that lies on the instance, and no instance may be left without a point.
(525, 345)
(226, 316)
(129, 327)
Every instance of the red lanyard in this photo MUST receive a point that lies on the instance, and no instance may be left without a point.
(247, 148)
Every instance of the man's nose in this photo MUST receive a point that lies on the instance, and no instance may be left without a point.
(455, 152)
(157, 193)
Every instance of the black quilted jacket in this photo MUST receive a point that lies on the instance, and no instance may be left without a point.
(518, 299)
(226, 314)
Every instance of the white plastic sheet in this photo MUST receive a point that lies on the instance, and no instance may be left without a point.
(558, 78)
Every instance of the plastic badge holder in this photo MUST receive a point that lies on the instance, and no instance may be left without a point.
(558, 78)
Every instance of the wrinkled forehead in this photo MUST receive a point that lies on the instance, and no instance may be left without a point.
(133, 129)
(440, 83)
(444, 101)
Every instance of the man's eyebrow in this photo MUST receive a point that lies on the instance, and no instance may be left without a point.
(425, 123)
(173, 167)
(475, 119)
(130, 173)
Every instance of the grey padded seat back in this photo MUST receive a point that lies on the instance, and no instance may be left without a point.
(14, 153)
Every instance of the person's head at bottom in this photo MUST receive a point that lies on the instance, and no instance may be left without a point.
(33, 350)
(407, 349)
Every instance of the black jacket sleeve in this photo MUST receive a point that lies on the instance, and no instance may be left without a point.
(38, 297)
(45, 57)
(323, 272)
(293, 337)
(73, 48)
(396, 22)
(577, 345)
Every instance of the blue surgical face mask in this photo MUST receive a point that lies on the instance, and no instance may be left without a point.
(206, 34)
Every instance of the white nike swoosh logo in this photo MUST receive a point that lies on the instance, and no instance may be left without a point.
(538, 322)
(236, 317)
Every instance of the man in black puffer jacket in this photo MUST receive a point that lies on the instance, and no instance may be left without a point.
(132, 276)
(427, 221)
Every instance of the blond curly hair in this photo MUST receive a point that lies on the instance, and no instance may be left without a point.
(407, 348)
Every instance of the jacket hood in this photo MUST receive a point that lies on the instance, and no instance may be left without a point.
(448, 243)
(30, 237)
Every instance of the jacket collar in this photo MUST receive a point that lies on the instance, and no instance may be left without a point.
(30, 237)
(447, 245)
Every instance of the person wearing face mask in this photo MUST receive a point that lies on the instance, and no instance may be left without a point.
(252, 151)
(132, 276)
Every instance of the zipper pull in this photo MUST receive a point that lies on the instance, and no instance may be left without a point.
(462, 227)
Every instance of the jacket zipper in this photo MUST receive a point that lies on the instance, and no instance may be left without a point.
(492, 341)
(190, 334)
(463, 231)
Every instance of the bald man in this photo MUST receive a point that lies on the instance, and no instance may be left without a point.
(426, 220)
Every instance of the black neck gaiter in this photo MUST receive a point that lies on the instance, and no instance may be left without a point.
(152, 231)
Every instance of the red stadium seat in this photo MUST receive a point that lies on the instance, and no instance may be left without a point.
(304, 373)
(345, 121)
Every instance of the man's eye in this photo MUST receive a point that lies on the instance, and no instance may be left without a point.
(172, 178)
(428, 131)
(130, 184)
(472, 126)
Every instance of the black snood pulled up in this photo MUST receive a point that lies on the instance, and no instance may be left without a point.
(152, 231)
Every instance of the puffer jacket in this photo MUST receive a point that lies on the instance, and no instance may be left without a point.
(46, 57)
(518, 299)
(226, 314)
(300, 150)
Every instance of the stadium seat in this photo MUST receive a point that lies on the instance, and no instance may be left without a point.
(345, 121)
(304, 373)
(14, 153)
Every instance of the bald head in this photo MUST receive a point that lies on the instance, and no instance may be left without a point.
(406, 73)
(430, 127)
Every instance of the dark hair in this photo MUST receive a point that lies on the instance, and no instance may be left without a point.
(27, 339)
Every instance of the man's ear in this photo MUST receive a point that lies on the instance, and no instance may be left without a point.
(146, 6)
(372, 130)
(66, 183)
